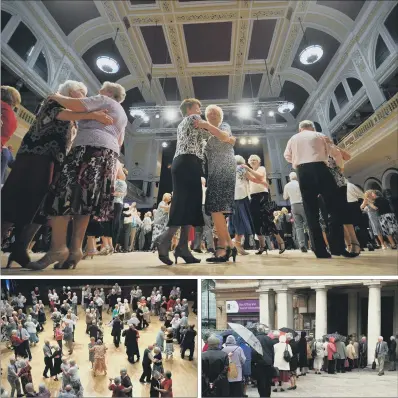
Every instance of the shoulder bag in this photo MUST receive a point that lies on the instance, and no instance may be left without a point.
(286, 354)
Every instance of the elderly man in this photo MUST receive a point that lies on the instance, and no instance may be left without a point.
(293, 193)
(215, 364)
(381, 352)
(308, 151)
(23, 334)
(392, 352)
(146, 365)
(48, 361)
(12, 377)
(43, 391)
(68, 392)
(363, 353)
(188, 342)
(30, 391)
(125, 381)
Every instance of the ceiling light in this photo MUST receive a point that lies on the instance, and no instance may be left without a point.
(255, 140)
(171, 114)
(259, 112)
(243, 141)
(164, 144)
(157, 116)
(107, 64)
(271, 113)
(286, 107)
(311, 54)
(249, 141)
(139, 113)
(145, 119)
(244, 111)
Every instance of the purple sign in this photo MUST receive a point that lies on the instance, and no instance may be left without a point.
(243, 306)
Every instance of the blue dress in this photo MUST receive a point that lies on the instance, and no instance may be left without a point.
(221, 174)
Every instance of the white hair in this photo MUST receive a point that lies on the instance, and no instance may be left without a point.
(381, 338)
(71, 85)
(392, 338)
(216, 108)
(240, 159)
(117, 91)
(305, 124)
(255, 157)
(282, 338)
(293, 176)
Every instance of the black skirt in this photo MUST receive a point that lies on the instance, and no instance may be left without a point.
(25, 189)
(261, 215)
(186, 205)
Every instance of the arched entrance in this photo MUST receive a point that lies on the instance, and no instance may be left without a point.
(372, 183)
(390, 181)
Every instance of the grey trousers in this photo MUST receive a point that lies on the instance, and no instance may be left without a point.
(15, 386)
(381, 361)
(205, 232)
(299, 222)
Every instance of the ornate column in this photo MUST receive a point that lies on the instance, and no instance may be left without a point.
(374, 317)
(321, 311)
(284, 307)
(353, 313)
(267, 307)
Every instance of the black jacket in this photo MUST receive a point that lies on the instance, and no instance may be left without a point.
(268, 350)
(215, 370)
(189, 338)
(392, 351)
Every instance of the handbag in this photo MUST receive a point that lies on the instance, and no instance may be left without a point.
(336, 355)
(286, 355)
(346, 363)
(232, 368)
(313, 353)
(374, 365)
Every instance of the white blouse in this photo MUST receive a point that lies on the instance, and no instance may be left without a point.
(257, 188)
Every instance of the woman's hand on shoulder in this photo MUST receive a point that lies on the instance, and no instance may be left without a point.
(102, 117)
(200, 124)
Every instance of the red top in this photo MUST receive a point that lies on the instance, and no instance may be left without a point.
(331, 350)
(8, 121)
(167, 384)
(58, 334)
(171, 303)
(15, 340)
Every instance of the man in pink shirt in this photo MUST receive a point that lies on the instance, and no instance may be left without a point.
(308, 151)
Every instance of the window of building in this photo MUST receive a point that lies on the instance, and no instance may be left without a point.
(341, 95)
(40, 66)
(382, 52)
(5, 18)
(23, 41)
(392, 25)
(354, 84)
(332, 111)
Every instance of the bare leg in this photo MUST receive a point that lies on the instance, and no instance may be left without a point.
(80, 224)
(391, 240)
(325, 238)
(238, 244)
(352, 236)
(224, 239)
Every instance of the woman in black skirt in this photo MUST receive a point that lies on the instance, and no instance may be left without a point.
(86, 184)
(186, 171)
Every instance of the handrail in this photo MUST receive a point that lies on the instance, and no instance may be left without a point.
(25, 115)
(380, 114)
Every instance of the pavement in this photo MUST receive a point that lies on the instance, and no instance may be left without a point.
(358, 383)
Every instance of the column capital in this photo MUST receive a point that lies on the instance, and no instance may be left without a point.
(283, 290)
(320, 288)
(373, 283)
(264, 290)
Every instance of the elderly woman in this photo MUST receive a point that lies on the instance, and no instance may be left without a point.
(40, 157)
(262, 217)
(240, 222)
(319, 355)
(74, 378)
(166, 385)
(115, 385)
(86, 184)
(281, 363)
(186, 170)
(99, 357)
(119, 194)
(147, 229)
(25, 373)
(221, 166)
(161, 218)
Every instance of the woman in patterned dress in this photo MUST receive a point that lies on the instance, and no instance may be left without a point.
(161, 218)
(40, 157)
(99, 358)
(85, 187)
(221, 166)
(186, 171)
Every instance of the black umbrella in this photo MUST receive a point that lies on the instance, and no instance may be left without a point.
(288, 330)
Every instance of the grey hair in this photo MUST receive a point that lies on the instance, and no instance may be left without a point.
(276, 333)
(263, 329)
(381, 337)
(123, 370)
(255, 157)
(118, 92)
(289, 336)
(293, 176)
(42, 386)
(71, 85)
(240, 159)
(117, 380)
(72, 362)
(216, 108)
(306, 124)
(392, 338)
(156, 349)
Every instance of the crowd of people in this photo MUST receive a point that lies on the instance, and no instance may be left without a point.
(77, 187)
(130, 313)
(230, 366)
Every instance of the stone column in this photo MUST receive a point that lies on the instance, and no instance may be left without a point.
(374, 317)
(353, 313)
(285, 308)
(267, 307)
(321, 311)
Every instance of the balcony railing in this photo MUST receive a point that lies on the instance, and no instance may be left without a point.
(381, 114)
(25, 115)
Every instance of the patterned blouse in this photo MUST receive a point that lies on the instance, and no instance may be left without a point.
(120, 187)
(191, 141)
(341, 181)
(49, 136)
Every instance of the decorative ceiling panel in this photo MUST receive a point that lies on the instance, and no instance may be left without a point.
(349, 8)
(330, 46)
(70, 14)
(170, 88)
(262, 33)
(208, 42)
(107, 48)
(156, 44)
(210, 87)
(251, 85)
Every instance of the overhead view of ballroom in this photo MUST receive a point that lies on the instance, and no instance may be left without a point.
(99, 338)
(186, 137)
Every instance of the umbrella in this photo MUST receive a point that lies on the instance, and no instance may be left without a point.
(288, 330)
(248, 336)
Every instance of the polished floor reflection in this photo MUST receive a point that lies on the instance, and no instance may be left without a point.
(292, 262)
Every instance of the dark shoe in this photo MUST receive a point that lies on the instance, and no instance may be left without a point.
(211, 250)
(355, 249)
(303, 249)
(197, 251)
(165, 259)
(370, 247)
(72, 260)
(282, 248)
(20, 257)
(45, 376)
(221, 259)
(234, 253)
(292, 388)
(261, 250)
(142, 381)
(323, 255)
(191, 359)
(344, 253)
(189, 259)
(275, 390)
(282, 389)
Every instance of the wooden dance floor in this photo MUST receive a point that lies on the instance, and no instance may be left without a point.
(184, 372)
(292, 262)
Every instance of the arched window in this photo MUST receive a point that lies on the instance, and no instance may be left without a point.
(40, 66)
(354, 84)
(23, 41)
(341, 95)
(332, 111)
(392, 25)
(5, 17)
(318, 127)
(382, 52)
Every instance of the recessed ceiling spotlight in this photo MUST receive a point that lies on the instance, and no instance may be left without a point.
(286, 107)
(255, 140)
(244, 111)
(311, 54)
(107, 64)
(259, 112)
(243, 141)
(171, 114)
(157, 116)
(145, 119)
(271, 113)
(164, 144)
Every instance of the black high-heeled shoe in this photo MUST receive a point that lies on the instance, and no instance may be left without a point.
(221, 259)
(165, 259)
(190, 259)
(21, 258)
(353, 249)
(234, 253)
(261, 250)
(282, 250)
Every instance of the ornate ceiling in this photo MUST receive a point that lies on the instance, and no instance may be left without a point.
(214, 50)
